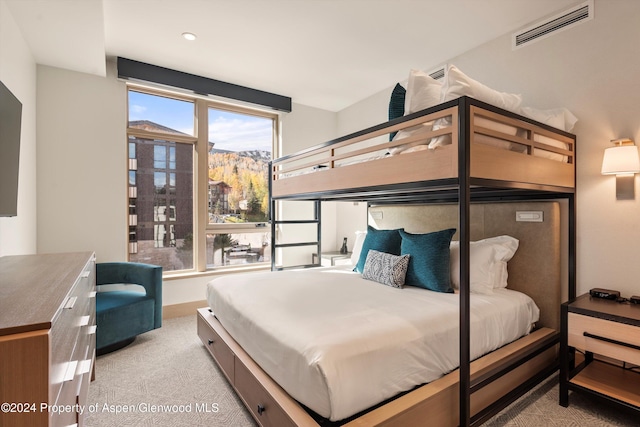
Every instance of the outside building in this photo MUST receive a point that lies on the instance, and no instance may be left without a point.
(161, 211)
(161, 207)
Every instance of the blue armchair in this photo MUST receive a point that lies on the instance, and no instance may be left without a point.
(121, 315)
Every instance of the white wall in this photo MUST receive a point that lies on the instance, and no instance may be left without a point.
(82, 163)
(593, 70)
(370, 111)
(305, 127)
(302, 128)
(18, 73)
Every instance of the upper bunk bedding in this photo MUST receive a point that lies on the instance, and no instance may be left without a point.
(506, 144)
(340, 344)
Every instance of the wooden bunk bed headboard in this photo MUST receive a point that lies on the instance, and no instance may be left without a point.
(535, 269)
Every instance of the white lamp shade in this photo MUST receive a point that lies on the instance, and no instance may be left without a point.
(621, 160)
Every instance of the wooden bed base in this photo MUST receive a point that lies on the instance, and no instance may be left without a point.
(504, 371)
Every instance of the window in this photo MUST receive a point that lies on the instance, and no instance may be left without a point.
(238, 188)
(221, 164)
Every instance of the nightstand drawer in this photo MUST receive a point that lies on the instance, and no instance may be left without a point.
(605, 337)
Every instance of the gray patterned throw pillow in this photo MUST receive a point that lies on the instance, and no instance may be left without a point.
(385, 268)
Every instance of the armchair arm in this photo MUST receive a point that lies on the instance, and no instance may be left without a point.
(146, 275)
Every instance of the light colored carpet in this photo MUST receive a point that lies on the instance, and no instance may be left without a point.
(167, 369)
(167, 378)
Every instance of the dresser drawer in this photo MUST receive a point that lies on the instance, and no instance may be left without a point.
(66, 403)
(217, 347)
(262, 406)
(64, 336)
(604, 337)
(69, 339)
(74, 387)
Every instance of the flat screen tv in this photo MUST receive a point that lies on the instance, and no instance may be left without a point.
(10, 125)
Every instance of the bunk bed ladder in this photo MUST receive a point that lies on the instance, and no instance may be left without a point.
(275, 223)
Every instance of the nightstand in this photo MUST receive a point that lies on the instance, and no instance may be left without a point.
(608, 334)
(332, 257)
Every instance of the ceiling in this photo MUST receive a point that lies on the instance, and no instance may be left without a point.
(327, 54)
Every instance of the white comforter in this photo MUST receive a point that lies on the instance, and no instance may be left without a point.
(340, 344)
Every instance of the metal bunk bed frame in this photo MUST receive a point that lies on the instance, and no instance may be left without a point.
(464, 190)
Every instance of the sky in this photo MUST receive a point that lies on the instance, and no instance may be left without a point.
(227, 130)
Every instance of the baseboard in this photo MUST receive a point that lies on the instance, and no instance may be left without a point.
(184, 309)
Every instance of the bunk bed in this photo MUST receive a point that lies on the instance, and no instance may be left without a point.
(459, 154)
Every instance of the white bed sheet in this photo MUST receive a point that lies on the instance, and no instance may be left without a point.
(340, 344)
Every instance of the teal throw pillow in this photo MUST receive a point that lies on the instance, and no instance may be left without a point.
(396, 105)
(387, 241)
(429, 263)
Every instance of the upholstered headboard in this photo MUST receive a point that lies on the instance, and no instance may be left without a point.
(536, 268)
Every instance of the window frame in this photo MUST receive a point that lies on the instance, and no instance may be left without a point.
(200, 193)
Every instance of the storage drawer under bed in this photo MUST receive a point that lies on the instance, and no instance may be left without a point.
(217, 347)
(268, 403)
(263, 407)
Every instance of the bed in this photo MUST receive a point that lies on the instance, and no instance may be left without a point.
(535, 270)
(311, 330)
(472, 166)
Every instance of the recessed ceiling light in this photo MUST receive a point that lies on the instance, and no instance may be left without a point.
(189, 36)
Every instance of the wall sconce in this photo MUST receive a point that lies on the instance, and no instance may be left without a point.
(623, 162)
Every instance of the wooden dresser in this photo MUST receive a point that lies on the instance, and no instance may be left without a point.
(47, 338)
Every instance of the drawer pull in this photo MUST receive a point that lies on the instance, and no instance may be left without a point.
(84, 320)
(71, 371)
(210, 342)
(84, 367)
(91, 330)
(85, 274)
(70, 302)
(92, 294)
(261, 409)
(609, 340)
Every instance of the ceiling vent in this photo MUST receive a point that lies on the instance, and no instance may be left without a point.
(438, 73)
(562, 21)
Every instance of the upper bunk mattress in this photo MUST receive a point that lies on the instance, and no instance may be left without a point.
(340, 344)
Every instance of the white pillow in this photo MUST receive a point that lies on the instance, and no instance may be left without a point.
(415, 149)
(550, 154)
(488, 263)
(458, 84)
(440, 140)
(497, 142)
(357, 246)
(494, 125)
(423, 91)
(559, 118)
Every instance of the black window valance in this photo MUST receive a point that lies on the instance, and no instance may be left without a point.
(130, 69)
